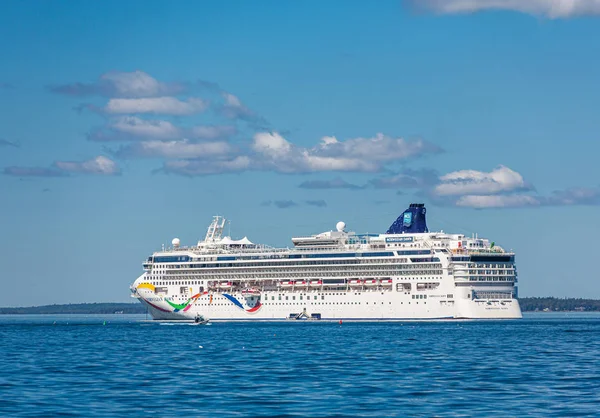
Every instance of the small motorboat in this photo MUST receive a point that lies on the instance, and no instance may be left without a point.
(200, 320)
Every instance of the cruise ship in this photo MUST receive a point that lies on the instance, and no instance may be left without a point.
(408, 273)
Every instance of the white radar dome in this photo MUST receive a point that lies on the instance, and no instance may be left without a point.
(340, 226)
(175, 242)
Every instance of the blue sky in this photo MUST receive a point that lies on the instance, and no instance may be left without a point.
(125, 124)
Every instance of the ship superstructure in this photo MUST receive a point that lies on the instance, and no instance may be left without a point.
(406, 273)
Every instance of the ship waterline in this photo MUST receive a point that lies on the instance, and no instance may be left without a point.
(408, 273)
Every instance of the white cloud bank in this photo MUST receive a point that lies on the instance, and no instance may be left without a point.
(357, 154)
(98, 165)
(152, 129)
(133, 84)
(497, 201)
(553, 9)
(134, 128)
(465, 182)
(174, 149)
(156, 105)
(270, 151)
(504, 188)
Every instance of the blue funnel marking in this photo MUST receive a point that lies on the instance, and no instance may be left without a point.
(412, 221)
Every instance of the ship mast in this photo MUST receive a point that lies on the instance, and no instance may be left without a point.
(215, 229)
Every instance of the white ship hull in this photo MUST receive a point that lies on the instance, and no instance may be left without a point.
(356, 305)
(408, 273)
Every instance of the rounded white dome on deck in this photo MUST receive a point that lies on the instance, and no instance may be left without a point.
(340, 226)
(175, 242)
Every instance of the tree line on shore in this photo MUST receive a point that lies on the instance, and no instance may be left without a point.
(528, 304)
(79, 308)
(559, 304)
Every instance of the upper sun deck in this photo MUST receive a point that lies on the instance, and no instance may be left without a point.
(336, 241)
(408, 233)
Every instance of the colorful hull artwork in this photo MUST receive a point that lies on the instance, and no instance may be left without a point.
(184, 307)
(239, 305)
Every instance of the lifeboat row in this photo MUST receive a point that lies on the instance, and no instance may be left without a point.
(370, 282)
(318, 283)
(250, 292)
(303, 283)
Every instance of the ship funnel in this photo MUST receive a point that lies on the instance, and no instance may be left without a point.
(412, 221)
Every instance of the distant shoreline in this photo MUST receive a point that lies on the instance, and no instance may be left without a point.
(529, 304)
(78, 308)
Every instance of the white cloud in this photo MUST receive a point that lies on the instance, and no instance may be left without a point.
(553, 9)
(575, 196)
(204, 167)
(271, 144)
(174, 149)
(156, 129)
(133, 128)
(98, 165)
(378, 148)
(497, 201)
(233, 107)
(504, 188)
(465, 182)
(133, 84)
(269, 151)
(359, 154)
(156, 105)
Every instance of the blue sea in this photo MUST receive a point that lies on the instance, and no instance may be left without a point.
(545, 365)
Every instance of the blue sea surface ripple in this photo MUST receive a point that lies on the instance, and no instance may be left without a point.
(116, 365)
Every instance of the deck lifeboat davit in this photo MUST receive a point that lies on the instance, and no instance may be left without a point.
(225, 285)
(371, 282)
(250, 292)
(287, 284)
